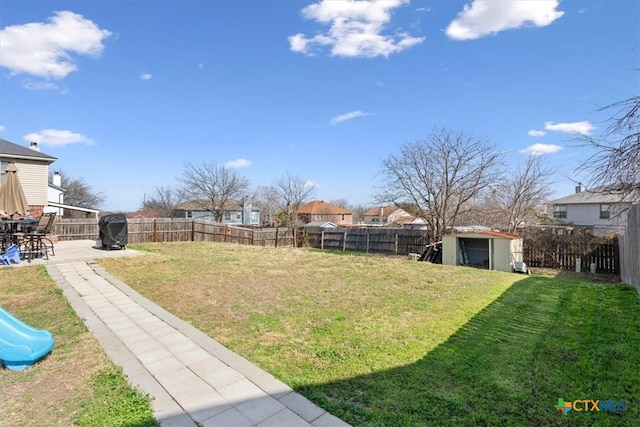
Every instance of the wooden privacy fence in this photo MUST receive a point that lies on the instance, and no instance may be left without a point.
(550, 249)
(630, 249)
(142, 230)
(542, 248)
(396, 241)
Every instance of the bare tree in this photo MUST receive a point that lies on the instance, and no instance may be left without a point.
(78, 193)
(517, 196)
(358, 212)
(616, 163)
(164, 201)
(266, 198)
(212, 186)
(343, 203)
(441, 176)
(292, 191)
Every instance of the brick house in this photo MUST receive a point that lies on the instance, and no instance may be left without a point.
(319, 210)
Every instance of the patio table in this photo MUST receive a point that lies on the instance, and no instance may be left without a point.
(9, 227)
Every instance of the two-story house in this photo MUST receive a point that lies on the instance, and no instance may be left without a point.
(235, 212)
(321, 211)
(387, 215)
(33, 172)
(604, 209)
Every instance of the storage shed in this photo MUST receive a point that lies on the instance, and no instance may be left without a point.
(491, 250)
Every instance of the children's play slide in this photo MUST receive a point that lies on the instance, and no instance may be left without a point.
(21, 345)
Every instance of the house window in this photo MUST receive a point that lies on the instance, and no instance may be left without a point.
(605, 211)
(343, 217)
(318, 217)
(3, 166)
(227, 216)
(560, 211)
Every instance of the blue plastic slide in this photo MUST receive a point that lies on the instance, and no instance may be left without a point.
(21, 345)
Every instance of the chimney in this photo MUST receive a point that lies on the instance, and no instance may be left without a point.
(57, 179)
(381, 214)
(579, 188)
(34, 146)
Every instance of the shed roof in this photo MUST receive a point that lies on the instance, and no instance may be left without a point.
(489, 233)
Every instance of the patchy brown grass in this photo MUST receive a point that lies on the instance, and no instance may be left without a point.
(52, 391)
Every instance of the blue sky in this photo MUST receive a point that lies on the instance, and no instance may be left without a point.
(123, 93)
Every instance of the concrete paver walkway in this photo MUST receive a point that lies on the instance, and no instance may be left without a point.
(192, 379)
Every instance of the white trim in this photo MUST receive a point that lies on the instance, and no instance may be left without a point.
(73, 208)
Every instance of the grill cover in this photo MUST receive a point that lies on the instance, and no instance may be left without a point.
(113, 230)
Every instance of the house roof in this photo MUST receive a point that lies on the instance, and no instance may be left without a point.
(386, 210)
(9, 149)
(143, 213)
(323, 224)
(320, 207)
(595, 196)
(201, 205)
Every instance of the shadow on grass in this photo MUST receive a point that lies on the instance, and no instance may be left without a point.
(543, 339)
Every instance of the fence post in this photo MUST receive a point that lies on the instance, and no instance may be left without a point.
(367, 241)
(322, 240)
(155, 231)
(344, 242)
(193, 231)
(276, 243)
(396, 244)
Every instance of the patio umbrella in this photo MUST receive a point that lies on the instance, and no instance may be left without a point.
(12, 198)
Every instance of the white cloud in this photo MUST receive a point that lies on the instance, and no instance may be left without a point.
(486, 17)
(145, 76)
(540, 149)
(44, 49)
(34, 85)
(584, 127)
(311, 184)
(237, 164)
(57, 138)
(536, 133)
(348, 116)
(355, 29)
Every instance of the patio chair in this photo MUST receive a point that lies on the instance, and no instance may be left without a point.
(36, 242)
(11, 256)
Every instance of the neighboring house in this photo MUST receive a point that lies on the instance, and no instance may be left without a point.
(386, 215)
(322, 211)
(55, 194)
(33, 171)
(143, 213)
(603, 209)
(235, 213)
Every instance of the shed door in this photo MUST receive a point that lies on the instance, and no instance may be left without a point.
(474, 252)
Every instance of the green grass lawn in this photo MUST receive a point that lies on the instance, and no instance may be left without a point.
(389, 342)
(74, 385)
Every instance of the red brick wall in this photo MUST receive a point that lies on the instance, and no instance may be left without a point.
(35, 210)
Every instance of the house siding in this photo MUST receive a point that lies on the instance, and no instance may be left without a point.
(34, 180)
(588, 214)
